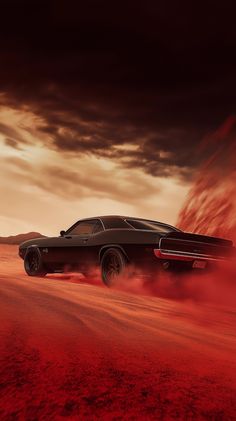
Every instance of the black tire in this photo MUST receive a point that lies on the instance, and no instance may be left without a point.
(33, 263)
(113, 263)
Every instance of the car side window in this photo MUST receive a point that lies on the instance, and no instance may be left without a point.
(98, 227)
(86, 228)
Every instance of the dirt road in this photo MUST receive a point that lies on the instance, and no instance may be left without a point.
(70, 350)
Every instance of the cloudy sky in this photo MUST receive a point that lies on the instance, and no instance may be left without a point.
(103, 106)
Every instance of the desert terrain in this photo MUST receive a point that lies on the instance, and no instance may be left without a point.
(75, 350)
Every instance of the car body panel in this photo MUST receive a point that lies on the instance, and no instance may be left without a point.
(137, 245)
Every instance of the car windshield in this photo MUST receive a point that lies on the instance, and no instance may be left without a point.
(150, 226)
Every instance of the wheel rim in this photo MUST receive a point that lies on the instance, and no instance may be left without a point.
(112, 267)
(33, 262)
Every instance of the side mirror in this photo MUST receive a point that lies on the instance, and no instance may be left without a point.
(62, 233)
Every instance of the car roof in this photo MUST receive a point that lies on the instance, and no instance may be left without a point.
(119, 217)
(122, 217)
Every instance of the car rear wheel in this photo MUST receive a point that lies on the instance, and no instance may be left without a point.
(33, 263)
(113, 264)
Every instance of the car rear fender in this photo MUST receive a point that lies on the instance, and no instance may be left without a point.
(108, 246)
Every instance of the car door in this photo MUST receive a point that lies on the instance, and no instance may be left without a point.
(72, 249)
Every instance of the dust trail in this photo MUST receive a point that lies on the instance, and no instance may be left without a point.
(217, 286)
(211, 205)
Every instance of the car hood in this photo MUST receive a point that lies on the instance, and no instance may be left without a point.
(34, 241)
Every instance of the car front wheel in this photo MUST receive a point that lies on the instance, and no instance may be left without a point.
(113, 264)
(33, 263)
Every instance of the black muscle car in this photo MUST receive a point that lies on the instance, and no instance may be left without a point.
(114, 242)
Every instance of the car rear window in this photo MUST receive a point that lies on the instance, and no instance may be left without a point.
(150, 226)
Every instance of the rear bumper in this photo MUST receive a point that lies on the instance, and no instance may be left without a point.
(186, 257)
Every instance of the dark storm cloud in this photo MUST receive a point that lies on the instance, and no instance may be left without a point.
(107, 74)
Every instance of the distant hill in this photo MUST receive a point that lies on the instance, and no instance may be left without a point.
(17, 239)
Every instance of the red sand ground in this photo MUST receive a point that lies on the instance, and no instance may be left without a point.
(70, 350)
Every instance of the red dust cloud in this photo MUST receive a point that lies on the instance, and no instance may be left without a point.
(211, 205)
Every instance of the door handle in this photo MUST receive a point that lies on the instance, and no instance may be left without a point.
(85, 240)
